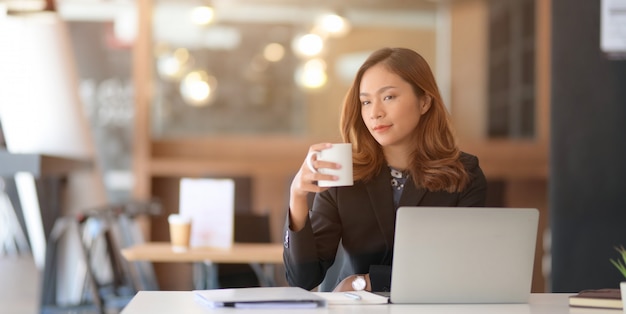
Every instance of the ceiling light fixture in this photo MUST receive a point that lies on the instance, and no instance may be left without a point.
(308, 45)
(202, 15)
(172, 65)
(274, 52)
(198, 88)
(332, 24)
(312, 74)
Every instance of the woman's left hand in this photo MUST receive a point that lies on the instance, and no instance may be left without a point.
(346, 283)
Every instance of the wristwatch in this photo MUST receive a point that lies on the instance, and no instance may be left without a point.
(359, 283)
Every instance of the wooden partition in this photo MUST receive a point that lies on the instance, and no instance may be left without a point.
(272, 163)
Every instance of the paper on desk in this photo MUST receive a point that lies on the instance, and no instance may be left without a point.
(338, 298)
(211, 205)
(264, 297)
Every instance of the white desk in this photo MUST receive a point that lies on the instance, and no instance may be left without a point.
(184, 302)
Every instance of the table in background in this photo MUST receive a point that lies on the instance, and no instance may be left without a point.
(184, 302)
(261, 256)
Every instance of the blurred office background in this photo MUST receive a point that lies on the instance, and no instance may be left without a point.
(241, 88)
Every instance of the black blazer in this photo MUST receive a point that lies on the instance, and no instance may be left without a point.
(363, 217)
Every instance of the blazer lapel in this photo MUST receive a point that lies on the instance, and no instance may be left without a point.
(411, 196)
(381, 198)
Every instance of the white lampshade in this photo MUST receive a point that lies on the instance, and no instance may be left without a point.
(40, 105)
(41, 113)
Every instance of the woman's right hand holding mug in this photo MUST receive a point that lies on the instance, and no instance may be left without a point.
(305, 182)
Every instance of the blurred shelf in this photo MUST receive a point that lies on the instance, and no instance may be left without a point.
(499, 159)
(38, 164)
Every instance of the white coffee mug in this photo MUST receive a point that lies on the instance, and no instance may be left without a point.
(337, 153)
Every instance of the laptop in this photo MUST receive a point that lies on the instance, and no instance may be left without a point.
(463, 255)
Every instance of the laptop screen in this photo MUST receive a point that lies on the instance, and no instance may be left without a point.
(463, 255)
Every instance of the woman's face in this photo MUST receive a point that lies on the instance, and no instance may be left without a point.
(389, 107)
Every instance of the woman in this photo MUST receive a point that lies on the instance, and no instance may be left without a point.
(404, 154)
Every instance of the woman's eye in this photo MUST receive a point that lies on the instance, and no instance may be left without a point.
(365, 102)
(388, 97)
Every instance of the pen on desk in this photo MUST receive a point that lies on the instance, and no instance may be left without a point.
(352, 295)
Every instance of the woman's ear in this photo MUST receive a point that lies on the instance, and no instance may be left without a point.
(425, 104)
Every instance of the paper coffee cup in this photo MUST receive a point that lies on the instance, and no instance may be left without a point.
(180, 232)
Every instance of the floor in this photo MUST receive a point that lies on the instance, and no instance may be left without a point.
(19, 284)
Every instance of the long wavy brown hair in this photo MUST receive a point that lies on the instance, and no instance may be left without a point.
(435, 163)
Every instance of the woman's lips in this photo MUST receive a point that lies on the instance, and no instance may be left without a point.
(381, 128)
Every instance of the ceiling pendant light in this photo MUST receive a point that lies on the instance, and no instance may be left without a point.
(198, 88)
(332, 24)
(308, 45)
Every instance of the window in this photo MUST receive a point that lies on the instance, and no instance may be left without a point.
(511, 68)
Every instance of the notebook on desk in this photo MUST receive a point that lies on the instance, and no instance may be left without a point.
(260, 298)
(463, 255)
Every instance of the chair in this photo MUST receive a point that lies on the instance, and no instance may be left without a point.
(68, 284)
(126, 232)
(84, 270)
(249, 228)
(13, 240)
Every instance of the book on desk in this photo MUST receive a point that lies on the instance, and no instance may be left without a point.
(265, 297)
(597, 298)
